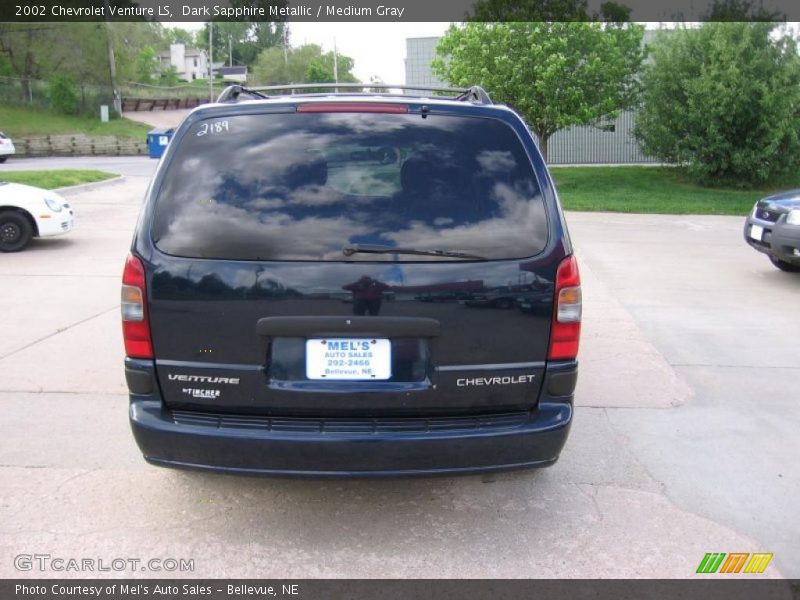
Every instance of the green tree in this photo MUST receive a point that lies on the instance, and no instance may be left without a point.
(177, 35)
(555, 74)
(242, 41)
(35, 51)
(129, 41)
(724, 100)
(87, 62)
(267, 34)
(546, 10)
(146, 65)
(740, 10)
(29, 50)
(318, 72)
(304, 64)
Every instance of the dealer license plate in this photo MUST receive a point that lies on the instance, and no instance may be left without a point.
(756, 232)
(348, 359)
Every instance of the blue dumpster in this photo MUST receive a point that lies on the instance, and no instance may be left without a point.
(157, 140)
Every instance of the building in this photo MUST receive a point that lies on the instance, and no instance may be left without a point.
(420, 52)
(610, 142)
(189, 63)
(233, 74)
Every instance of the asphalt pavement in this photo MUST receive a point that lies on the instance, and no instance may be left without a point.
(132, 166)
(684, 440)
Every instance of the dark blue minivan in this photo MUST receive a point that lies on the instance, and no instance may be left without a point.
(275, 303)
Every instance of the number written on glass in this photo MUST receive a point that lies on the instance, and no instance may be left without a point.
(215, 128)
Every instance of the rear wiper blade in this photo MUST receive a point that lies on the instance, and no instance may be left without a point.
(379, 249)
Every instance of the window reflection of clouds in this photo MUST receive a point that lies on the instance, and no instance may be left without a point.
(260, 204)
(496, 161)
(311, 277)
(241, 197)
(278, 153)
(232, 231)
(363, 123)
(517, 226)
(313, 195)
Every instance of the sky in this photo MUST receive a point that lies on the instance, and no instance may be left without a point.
(378, 49)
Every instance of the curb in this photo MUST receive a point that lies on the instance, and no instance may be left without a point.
(85, 187)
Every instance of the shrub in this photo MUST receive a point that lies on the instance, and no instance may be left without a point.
(62, 94)
(723, 100)
(169, 77)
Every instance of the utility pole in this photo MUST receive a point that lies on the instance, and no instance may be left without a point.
(210, 61)
(112, 63)
(230, 52)
(285, 44)
(335, 65)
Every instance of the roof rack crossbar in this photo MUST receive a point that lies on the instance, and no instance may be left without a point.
(232, 93)
(474, 94)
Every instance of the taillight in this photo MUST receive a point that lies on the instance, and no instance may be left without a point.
(566, 331)
(135, 321)
(352, 107)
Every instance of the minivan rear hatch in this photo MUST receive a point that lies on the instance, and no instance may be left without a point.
(330, 262)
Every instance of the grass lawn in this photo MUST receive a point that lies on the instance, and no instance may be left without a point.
(17, 121)
(663, 190)
(55, 178)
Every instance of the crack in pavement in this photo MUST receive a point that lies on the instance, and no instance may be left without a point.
(57, 332)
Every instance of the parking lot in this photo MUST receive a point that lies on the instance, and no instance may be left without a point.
(685, 437)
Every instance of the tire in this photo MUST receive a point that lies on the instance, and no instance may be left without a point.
(784, 266)
(504, 303)
(3, 159)
(15, 231)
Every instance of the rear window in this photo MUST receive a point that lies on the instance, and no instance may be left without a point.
(303, 186)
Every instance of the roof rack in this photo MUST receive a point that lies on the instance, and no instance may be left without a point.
(474, 94)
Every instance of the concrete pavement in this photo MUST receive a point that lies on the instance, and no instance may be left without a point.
(159, 118)
(683, 440)
(725, 320)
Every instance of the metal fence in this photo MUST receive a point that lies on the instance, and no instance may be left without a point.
(90, 97)
(136, 96)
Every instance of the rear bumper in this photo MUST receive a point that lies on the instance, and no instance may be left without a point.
(342, 448)
(536, 443)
